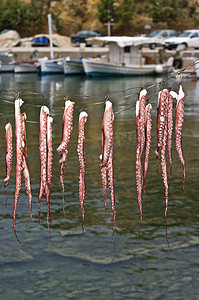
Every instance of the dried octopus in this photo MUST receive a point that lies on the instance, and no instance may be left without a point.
(140, 133)
(8, 129)
(46, 157)
(148, 128)
(106, 156)
(81, 154)
(178, 127)
(165, 130)
(67, 127)
(171, 96)
(21, 159)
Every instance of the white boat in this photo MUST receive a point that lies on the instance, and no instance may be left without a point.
(189, 71)
(73, 67)
(4, 68)
(52, 66)
(197, 68)
(124, 59)
(5, 62)
(26, 68)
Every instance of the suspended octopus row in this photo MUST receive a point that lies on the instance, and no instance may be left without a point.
(143, 144)
(164, 137)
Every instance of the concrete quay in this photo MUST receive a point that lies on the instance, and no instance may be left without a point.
(27, 53)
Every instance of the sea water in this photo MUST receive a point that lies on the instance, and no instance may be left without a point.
(156, 260)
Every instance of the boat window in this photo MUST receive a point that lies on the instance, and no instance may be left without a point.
(127, 49)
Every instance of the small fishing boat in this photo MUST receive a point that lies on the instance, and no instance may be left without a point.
(6, 64)
(125, 58)
(52, 66)
(73, 67)
(190, 69)
(27, 67)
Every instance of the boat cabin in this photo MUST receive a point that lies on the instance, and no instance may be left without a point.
(122, 50)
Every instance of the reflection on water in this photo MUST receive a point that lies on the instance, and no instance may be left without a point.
(63, 263)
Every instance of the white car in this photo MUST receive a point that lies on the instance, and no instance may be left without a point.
(157, 37)
(187, 39)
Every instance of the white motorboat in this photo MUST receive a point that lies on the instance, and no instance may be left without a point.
(125, 59)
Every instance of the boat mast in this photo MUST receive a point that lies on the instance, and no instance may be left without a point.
(50, 36)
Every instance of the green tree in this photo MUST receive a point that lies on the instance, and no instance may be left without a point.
(57, 21)
(22, 17)
(120, 12)
(165, 10)
(124, 10)
(106, 11)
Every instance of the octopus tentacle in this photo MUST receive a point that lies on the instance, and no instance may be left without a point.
(67, 127)
(148, 128)
(178, 128)
(106, 157)
(141, 118)
(138, 162)
(81, 154)
(19, 156)
(43, 153)
(104, 184)
(26, 173)
(140, 133)
(8, 129)
(107, 149)
(171, 96)
(49, 162)
(164, 165)
(111, 180)
(107, 134)
(161, 118)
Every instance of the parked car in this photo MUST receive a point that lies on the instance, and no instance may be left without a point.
(159, 36)
(82, 35)
(188, 38)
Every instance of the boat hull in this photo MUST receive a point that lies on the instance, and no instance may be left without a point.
(72, 67)
(52, 67)
(4, 68)
(97, 68)
(26, 68)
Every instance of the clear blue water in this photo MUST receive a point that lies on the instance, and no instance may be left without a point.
(141, 262)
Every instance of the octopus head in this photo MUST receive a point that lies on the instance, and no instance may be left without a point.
(83, 114)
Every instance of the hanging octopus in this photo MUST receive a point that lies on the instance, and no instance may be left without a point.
(171, 96)
(178, 127)
(140, 133)
(163, 127)
(67, 127)
(8, 129)
(81, 153)
(44, 112)
(49, 161)
(21, 159)
(148, 128)
(161, 121)
(26, 173)
(106, 157)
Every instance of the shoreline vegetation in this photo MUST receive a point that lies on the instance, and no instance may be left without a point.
(29, 17)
